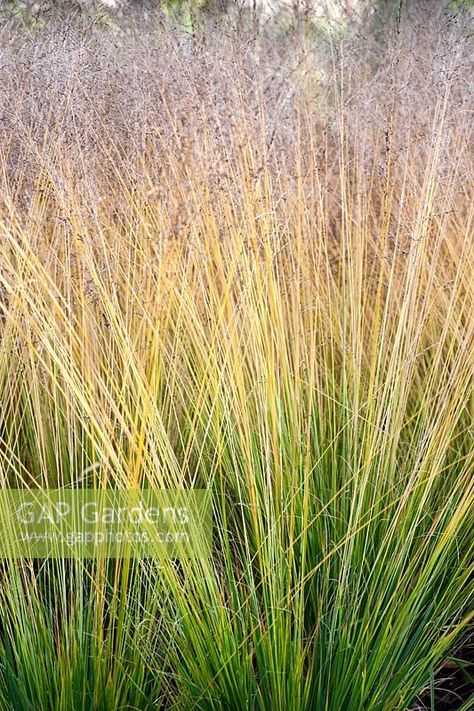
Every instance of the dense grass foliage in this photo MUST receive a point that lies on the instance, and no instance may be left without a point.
(242, 265)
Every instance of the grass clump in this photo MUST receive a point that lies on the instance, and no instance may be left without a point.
(234, 265)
